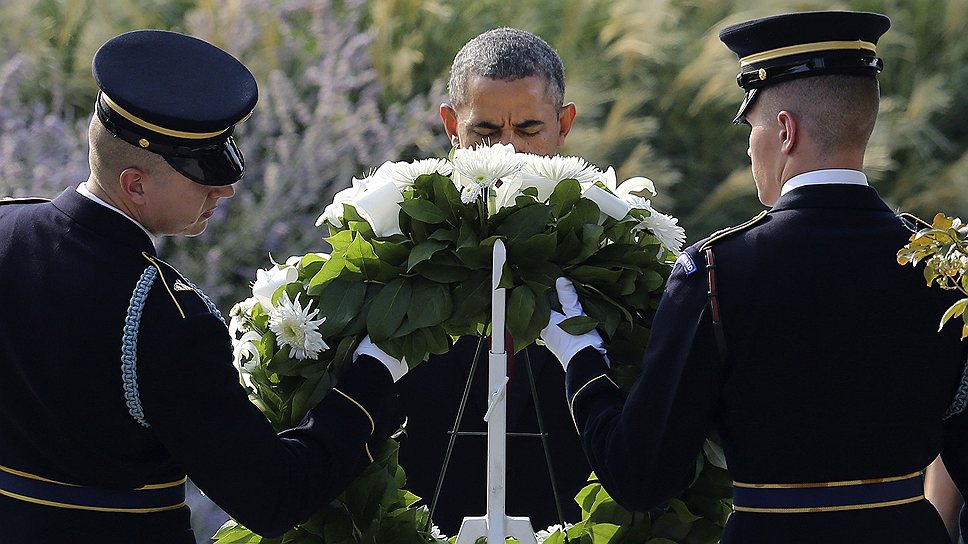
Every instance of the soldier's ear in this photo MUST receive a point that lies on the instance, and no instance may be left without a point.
(132, 181)
(566, 117)
(789, 131)
(449, 117)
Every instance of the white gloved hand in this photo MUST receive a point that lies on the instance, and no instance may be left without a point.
(565, 345)
(367, 347)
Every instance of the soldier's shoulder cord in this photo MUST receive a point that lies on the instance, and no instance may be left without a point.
(713, 292)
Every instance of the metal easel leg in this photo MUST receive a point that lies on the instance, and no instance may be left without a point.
(455, 432)
(544, 438)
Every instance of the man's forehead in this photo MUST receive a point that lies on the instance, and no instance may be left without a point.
(515, 101)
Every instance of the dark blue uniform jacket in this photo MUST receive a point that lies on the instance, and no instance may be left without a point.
(835, 371)
(68, 269)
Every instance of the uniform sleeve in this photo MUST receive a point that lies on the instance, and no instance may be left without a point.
(192, 399)
(955, 457)
(643, 447)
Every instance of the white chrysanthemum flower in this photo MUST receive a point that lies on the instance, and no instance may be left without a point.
(239, 314)
(664, 227)
(403, 174)
(484, 165)
(295, 327)
(470, 193)
(558, 168)
(544, 535)
(435, 533)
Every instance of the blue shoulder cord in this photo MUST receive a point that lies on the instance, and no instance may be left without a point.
(961, 397)
(129, 345)
(129, 340)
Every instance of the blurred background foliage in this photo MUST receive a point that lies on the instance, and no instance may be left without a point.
(348, 84)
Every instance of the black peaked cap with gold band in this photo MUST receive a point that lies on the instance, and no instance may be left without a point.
(795, 45)
(177, 96)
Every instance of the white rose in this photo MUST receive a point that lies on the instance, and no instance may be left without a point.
(270, 280)
(380, 206)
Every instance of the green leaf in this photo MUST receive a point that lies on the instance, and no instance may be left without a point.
(537, 248)
(309, 393)
(520, 307)
(446, 196)
(524, 223)
(340, 302)
(670, 526)
(955, 310)
(423, 251)
(445, 234)
(391, 253)
(467, 237)
(564, 197)
(235, 534)
(471, 299)
(360, 257)
(594, 274)
(587, 498)
(436, 340)
(442, 273)
(591, 241)
(424, 210)
(430, 304)
(585, 212)
(682, 511)
(714, 452)
(340, 241)
(333, 269)
(388, 309)
(538, 321)
(579, 324)
(476, 257)
(604, 533)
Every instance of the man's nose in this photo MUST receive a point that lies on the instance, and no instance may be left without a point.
(519, 144)
(225, 191)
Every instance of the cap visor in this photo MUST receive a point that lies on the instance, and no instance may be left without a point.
(747, 101)
(222, 166)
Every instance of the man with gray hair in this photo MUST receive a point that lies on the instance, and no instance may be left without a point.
(506, 86)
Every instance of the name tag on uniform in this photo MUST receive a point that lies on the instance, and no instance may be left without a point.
(686, 262)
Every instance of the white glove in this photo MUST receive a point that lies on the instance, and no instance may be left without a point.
(565, 345)
(367, 347)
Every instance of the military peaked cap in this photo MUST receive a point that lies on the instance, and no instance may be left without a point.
(177, 96)
(795, 45)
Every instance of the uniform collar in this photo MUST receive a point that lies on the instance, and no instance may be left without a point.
(84, 191)
(102, 220)
(832, 196)
(830, 176)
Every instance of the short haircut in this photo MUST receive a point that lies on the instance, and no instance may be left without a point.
(110, 155)
(507, 54)
(836, 111)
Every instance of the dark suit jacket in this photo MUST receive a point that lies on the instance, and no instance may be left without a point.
(68, 271)
(431, 394)
(835, 371)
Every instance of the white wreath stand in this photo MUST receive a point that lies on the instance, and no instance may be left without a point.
(496, 525)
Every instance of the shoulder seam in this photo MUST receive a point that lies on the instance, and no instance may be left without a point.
(164, 281)
(719, 235)
(23, 200)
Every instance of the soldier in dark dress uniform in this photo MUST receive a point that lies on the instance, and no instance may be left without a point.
(796, 335)
(506, 86)
(117, 372)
